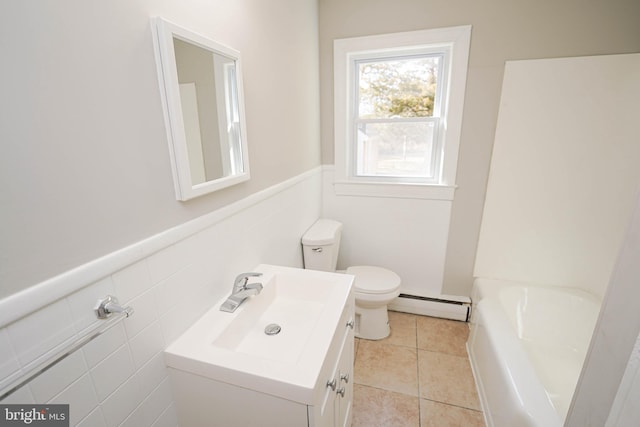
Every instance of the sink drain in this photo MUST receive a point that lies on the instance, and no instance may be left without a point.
(272, 329)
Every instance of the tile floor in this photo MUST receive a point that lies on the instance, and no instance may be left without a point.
(417, 377)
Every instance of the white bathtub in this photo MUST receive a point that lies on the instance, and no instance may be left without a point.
(527, 347)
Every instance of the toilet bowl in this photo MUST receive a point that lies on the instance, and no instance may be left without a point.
(374, 287)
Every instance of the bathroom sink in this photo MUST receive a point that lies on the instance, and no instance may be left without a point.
(276, 341)
(288, 302)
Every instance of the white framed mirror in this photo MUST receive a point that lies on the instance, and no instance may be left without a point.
(203, 101)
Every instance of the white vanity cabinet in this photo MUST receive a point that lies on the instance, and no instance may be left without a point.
(203, 402)
(226, 371)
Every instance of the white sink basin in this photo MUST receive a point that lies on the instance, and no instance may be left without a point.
(234, 348)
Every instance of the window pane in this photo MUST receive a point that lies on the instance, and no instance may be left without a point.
(396, 149)
(403, 87)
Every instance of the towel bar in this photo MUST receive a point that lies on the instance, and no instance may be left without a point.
(106, 308)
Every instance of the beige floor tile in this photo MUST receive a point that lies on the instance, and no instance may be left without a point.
(442, 335)
(446, 378)
(390, 367)
(403, 329)
(418, 376)
(374, 407)
(434, 414)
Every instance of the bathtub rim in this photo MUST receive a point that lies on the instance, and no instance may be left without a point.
(519, 370)
(485, 293)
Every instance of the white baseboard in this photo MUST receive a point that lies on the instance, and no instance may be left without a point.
(434, 307)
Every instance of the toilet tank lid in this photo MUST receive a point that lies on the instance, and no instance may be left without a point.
(322, 232)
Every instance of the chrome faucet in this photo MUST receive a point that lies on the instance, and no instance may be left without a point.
(241, 291)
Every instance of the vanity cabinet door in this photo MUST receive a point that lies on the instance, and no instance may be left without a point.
(344, 390)
(327, 409)
(333, 409)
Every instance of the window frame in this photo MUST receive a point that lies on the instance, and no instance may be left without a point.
(453, 43)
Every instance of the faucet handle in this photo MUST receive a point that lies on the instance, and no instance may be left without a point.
(243, 278)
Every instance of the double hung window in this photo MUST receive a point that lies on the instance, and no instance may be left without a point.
(396, 116)
(398, 107)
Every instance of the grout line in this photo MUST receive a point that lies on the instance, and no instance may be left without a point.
(417, 397)
(415, 318)
(387, 390)
(418, 350)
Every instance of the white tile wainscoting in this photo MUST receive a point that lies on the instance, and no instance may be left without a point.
(120, 379)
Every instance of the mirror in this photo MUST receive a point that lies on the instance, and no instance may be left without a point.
(201, 87)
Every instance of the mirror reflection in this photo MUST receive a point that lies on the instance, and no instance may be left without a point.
(204, 111)
(208, 90)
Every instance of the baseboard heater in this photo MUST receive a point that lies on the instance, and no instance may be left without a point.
(449, 307)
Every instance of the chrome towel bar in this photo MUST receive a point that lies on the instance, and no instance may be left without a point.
(108, 309)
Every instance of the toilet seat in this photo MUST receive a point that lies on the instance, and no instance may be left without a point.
(374, 280)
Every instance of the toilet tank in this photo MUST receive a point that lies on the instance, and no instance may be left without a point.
(320, 245)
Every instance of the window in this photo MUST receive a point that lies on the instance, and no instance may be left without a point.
(398, 112)
(396, 116)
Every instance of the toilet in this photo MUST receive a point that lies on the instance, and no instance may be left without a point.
(374, 287)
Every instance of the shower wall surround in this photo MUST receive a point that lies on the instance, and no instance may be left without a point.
(564, 173)
(120, 378)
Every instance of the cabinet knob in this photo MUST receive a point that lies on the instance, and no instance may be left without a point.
(332, 384)
(350, 323)
(344, 377)
(341, 391)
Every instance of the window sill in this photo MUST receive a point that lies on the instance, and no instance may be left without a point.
(395, 190)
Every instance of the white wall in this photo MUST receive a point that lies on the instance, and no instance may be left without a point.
(407, 236)
(169, 279)
(625, 410)
(502, 30)
(612, 346)
(88, 206)
(85, 164)
(564, 171)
